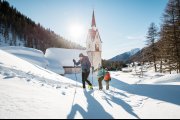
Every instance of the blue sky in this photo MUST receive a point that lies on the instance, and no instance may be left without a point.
(122, 23)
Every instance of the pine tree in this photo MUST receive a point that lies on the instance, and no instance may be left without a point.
(152, 36)
(171, 32)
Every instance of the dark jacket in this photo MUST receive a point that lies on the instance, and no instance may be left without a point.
(85, 64)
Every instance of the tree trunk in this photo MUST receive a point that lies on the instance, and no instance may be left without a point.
(155, 66)
(161, 66)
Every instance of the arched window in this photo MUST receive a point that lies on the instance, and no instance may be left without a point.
(97, 47)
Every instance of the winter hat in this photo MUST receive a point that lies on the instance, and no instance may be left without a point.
(81, 55)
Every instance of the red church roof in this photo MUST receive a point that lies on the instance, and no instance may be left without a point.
(93, 32)
(93, 21)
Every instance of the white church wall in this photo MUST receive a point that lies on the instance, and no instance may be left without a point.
(95, 59)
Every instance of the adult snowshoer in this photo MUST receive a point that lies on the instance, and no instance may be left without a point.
(85, 66)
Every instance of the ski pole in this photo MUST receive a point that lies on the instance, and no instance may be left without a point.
(75, 76)
(93, 79)
(76, 85)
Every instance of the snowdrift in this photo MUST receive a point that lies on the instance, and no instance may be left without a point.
(173, 79)
(29, 54)
(24, 68)
(35, 57)
(127, 70)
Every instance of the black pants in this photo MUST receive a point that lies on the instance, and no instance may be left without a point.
(85, 76)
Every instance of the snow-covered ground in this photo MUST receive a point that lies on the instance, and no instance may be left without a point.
(29, 54)
(30, 91)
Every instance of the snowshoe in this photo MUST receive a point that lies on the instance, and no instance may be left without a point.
(90, 87)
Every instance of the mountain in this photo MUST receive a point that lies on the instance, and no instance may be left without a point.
(17, 29)
(125, 56)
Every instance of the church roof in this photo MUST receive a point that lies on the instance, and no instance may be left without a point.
(93, 21)
(93, 31)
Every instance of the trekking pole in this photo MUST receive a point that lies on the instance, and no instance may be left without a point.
(75, 76)
(75, 86)
(93, 79)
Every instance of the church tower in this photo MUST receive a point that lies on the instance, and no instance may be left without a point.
(94, 45)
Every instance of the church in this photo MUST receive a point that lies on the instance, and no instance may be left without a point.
(94, 45)
(63, 57)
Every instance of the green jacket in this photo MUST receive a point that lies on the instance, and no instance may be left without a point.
(101, 73)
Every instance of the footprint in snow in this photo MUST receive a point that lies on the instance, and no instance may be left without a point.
(28, 80)
(8, 77)
(159, 103)
(128, 101)
(63, 93)
(136, 106)
(58, 87)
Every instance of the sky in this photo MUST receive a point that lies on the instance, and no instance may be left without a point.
(122, 24)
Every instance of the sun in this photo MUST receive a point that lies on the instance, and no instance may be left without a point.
(76, 31)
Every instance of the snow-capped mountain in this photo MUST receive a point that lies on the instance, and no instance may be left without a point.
(125, 56)
(134, 51)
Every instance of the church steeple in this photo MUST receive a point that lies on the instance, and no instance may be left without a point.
(93, 20)
(94, 44)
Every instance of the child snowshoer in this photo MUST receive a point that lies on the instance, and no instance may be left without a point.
(100, 75)
(107, 78)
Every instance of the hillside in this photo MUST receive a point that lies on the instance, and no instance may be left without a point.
(125, 56)
(17, 29)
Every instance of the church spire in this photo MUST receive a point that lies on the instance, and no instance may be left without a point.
(93, 20)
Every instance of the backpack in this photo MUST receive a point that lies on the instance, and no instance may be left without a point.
(107, 76)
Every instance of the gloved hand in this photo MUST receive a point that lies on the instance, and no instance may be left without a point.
(93, 68)
(74, 61)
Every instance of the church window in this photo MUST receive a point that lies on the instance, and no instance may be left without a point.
(97, 47)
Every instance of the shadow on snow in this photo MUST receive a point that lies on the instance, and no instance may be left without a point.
(166, 93)
(94, 109)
